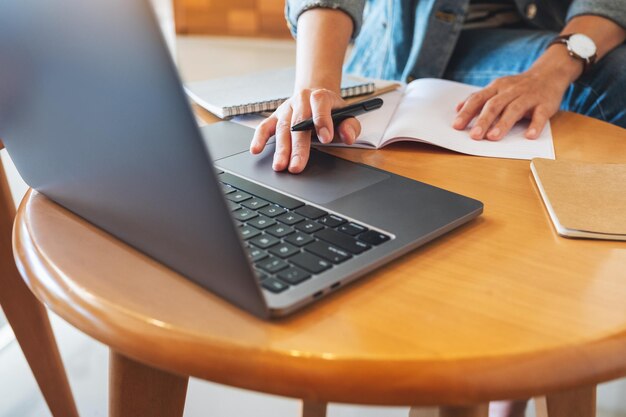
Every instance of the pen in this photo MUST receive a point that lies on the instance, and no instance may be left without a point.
(339, 115)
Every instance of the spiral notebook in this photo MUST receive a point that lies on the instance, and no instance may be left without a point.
(259, 92)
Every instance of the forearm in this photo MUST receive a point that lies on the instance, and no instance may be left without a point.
(605, 33)
(323, 37)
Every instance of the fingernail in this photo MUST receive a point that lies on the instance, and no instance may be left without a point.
(476, 132)
(495, 132)
(458, 123)
(324, 135)
(532, 133)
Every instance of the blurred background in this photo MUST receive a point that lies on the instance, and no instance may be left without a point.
(208, 39)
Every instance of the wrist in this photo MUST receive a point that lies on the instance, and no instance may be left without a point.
(557, 64)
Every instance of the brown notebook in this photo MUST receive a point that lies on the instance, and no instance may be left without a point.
(583, 199)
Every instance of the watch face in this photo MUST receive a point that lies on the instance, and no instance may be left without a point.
(582, 45)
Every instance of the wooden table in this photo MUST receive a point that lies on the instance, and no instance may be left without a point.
(501, 308)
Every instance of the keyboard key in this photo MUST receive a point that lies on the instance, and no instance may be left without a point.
(248, 232)
(311, 212)
(352, 229)
(290, 218)
(262, 222)
(280, 230)
(272, 211)
(274, 285)
(332, 221)
(254, 203)
(328, 251)
(256, 254)
(260, 191)
(293, 275)
(264, 241)
(261, 275)
(310, 262)
(232, 206)
(299, 239)
(227, 189)
(244, 214)
(272, 265)
(342, 240)
(284, 250)
(309, 226)
(238, 196)
(373, 238)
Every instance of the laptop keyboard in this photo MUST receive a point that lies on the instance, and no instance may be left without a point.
(289, 241)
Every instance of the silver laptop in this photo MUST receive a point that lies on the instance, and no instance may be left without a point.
(93, 114)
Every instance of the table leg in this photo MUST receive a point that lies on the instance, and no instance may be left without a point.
(313, 409)
(138, 390)
(29, 320)
(481, 410)
(579, 402)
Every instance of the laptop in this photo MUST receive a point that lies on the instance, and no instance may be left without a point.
(93, 113)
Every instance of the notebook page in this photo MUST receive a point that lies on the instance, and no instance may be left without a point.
(374, 123)
(427, 111)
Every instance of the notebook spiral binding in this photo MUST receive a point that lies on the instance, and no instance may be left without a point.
(271, 105)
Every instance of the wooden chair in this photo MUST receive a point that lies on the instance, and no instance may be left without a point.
(29, 319)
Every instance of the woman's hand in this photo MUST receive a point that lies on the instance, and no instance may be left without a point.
(535, 94)
(293, 148)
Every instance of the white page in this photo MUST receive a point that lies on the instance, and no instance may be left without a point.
(373, 124)
(427, 111)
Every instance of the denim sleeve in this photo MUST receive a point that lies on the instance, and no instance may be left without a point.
(614, 10)
(353, 8)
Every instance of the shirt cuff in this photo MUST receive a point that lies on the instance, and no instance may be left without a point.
(611, 9)
(353, 8)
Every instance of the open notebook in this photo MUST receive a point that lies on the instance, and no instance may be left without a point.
(423, 111)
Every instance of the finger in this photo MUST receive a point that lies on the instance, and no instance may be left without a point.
(263, 133)
(471, 107)
(490, 112)
(300, 141)
(513, 112)
(322, 102)
(283, 140)
(300, 151)
(459, 106)
(538, 122)
(349, 130)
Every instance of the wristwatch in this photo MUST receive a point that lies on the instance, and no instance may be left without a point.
(580, 47)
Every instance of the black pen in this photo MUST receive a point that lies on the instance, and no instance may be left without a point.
(339, 115)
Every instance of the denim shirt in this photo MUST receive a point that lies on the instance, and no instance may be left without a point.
(407, 39)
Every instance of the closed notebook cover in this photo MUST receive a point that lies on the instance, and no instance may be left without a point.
(584, 197)
(258, 92)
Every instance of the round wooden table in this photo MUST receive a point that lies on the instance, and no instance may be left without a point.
(500, 308)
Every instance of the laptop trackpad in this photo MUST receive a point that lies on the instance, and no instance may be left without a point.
(326, 178)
